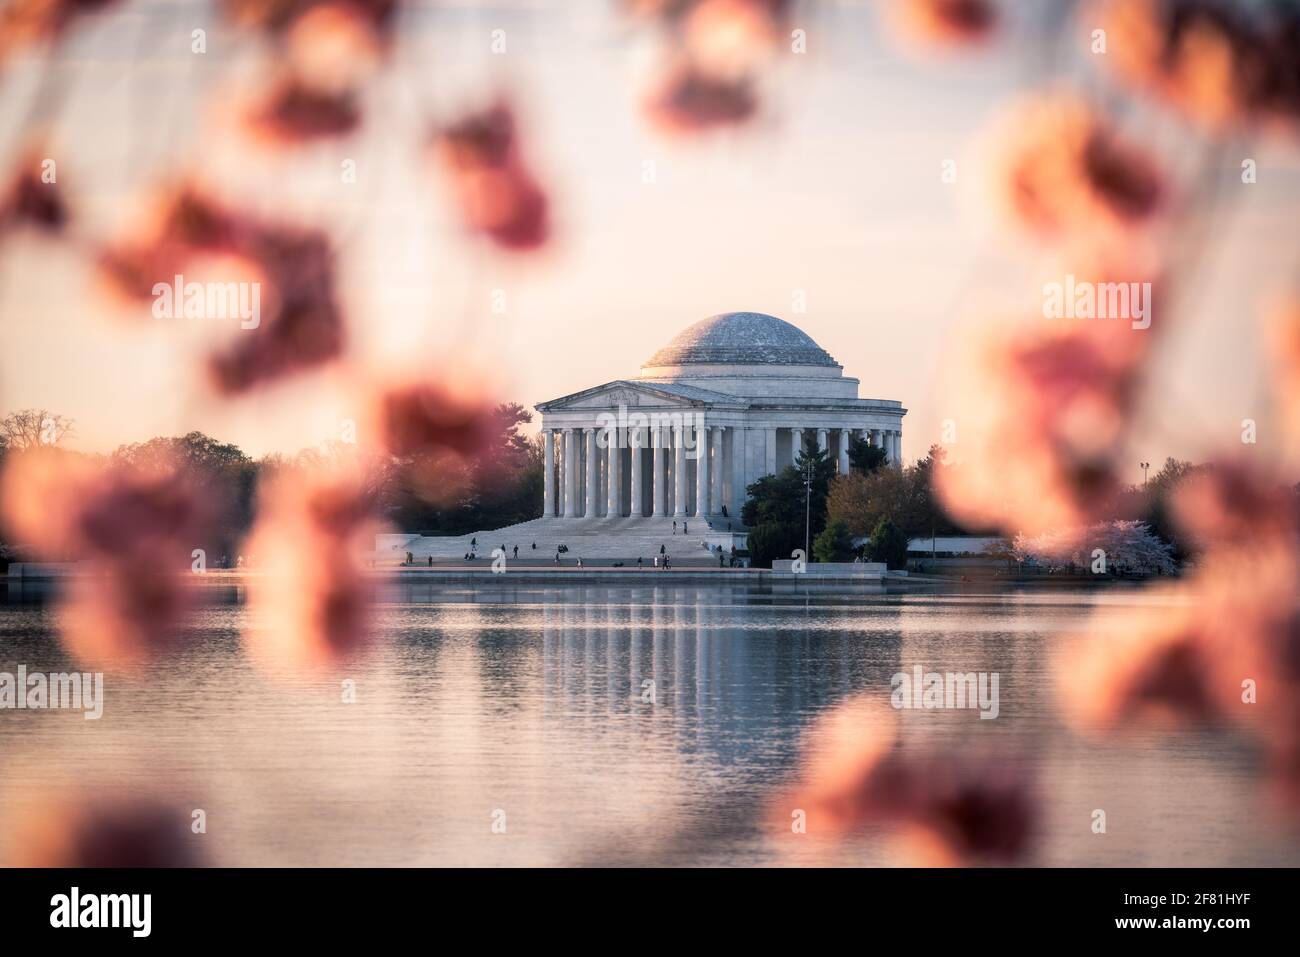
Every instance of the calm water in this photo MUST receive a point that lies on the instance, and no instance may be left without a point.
(529, 701)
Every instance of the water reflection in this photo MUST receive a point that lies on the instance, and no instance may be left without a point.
(643, 724)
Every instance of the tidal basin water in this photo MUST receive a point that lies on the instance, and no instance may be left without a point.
(528, 706)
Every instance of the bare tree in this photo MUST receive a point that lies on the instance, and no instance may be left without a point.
(29, 428)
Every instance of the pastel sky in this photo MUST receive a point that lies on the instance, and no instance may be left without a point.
(835, 196)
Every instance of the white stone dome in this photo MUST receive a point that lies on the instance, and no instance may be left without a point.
(742, 338)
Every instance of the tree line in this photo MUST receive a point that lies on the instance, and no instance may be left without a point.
(804, 506)
(499, 486)
(883, 508)
(808, 505)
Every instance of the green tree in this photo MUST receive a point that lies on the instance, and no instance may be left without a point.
(863, 456)
(1156, 510)
(906, 496)
(775, 508)
(500, 486)
(834, 544)
(888, 544)
(224, 470)
(780, 497)
(770, 541)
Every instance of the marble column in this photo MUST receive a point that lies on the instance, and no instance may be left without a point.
(821, 440)
(716, 469)
(570, 473)
(876, 438)
(702, 472)
(737, 469)
(844, 451)
(679, 472)
(614, 502)
(548, 474)
(637, 493)
(796, 445)
(593, 475)
(898, 447)
(657, 474)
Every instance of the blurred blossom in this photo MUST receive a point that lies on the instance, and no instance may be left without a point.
(333, 47)
(293, 112)
(1282, 328)
(421, 418)
(493, 188)
(301, 326)
(1191, 53)
(970, 809)
(1230, 625)
(944, 23)
(1063, 172)
(687, 101)
(328, 51)
(1145, 667)
(662, 9)
(714, 51)
(950, 808)
(275, 17)
(1221, 64)
(1280, 89)
(178, 224)
(28, 200)
(124, 615)
(64, 504)
(442, 434)
(40, 492)
(310, 600)
(113, 831)
(728, 39)
(1044, 425)
(1236, 504)
(27, 22)
(136, 527)
(304, 333)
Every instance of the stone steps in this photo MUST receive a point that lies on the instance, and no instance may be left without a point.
(597, 539)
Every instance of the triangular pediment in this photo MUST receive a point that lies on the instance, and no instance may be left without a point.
(623, 393)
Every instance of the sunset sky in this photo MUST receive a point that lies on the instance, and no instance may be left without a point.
(834, 194)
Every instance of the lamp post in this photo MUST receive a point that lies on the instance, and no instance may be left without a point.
(1145, 466)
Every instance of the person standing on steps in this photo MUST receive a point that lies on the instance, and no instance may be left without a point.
(674, 526)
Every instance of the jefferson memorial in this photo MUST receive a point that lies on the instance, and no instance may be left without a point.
(727, 401)
(730, 399)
